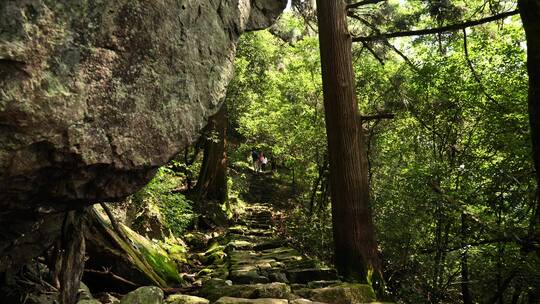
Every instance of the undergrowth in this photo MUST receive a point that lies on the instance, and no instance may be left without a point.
(176, 210)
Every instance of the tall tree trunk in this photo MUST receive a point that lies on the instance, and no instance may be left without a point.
(212, 181)
(356, 255)
(73, 256)
(530, 15)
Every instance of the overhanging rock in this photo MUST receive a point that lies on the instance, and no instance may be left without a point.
(94, 95)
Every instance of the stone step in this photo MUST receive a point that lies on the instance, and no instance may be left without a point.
(322, 284)
(185, 299)
(282, 254)
(214, 290)
(304, 301)
(248, 231)
(315, 284)
(344, 293)
(247, 277)
(266, 226)
(251, 238)
(229, 300)
(300, 264)
(303, 276)
(272, 244)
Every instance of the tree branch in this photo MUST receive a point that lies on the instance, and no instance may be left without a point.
(473, 244)
(452, 27)
(473, 71)
(362, 3)
(108, 273)
(114, 223)
(372, 52)
(378, 116)
(385, 42)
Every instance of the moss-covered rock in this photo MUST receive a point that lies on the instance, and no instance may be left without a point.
(84, 292)
(283, 254)
(107, 298)
(239, 245)
(305, 301)
(344, 293)
(89, 301)
(185, 299)
(230, 300)
(156, 256)
(144, 295)
(138, 259)
(272, 290)
(322, 284)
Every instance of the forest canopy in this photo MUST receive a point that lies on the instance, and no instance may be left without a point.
(447, 134)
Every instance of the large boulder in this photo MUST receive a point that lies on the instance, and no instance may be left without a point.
(185, 299)
(212, 290)
(345, 293)
(144, 295)
(95, 95)
(230, 300)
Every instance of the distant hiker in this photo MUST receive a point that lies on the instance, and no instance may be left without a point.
(264, 162)
(255, 158)
(261, 161)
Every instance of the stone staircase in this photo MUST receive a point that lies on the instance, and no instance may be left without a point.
(250, 263)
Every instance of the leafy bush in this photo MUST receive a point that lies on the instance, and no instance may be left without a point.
(312, 234)
(175, 209)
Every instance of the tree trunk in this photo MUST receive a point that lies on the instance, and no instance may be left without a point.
(212, 181)
(465, 290)
(73, 256)
(318, 181)
(530, 15)
(356, 255)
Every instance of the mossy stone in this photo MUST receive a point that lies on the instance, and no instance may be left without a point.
(344, 293)
(229, 300)
(144, 295)
(89, 301)
(185, 299)
(304, 301)
(213, 291)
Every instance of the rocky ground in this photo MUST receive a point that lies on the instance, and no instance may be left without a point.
(248, 262)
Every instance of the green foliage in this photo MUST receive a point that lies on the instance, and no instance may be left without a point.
(313, 234)
(174, 208)
(276, 100)
(452, 173)
(452, 180)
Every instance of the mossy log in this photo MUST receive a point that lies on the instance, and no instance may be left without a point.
(123, 261)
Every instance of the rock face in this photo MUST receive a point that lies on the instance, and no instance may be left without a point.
(94, 95)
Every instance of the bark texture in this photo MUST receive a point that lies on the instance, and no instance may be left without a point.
(356, 255)
(73, 244)
(212, 182)
(530, 15)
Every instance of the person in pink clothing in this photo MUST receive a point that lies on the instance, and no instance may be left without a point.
(262, 161)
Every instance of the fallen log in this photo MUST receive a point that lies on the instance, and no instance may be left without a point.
(129, 260)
